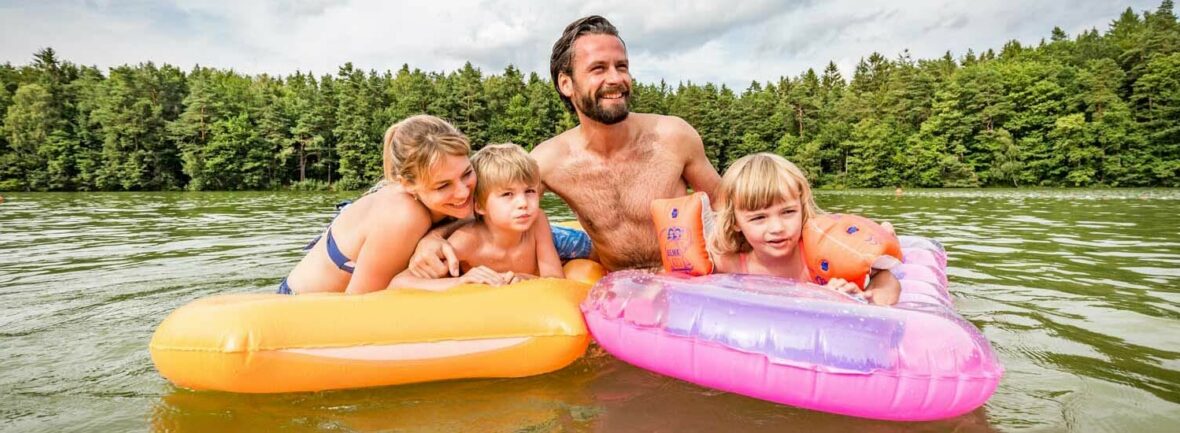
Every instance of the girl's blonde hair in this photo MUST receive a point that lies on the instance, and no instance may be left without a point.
(756, 182)
(415, 144)
(500, 165)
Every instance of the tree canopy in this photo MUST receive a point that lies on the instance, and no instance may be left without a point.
(1094, 109)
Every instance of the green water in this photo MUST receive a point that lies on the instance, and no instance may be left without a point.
(1075, 289)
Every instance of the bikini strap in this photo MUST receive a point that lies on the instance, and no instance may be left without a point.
(342, 261)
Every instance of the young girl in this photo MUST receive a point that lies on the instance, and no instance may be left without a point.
(430, 181)
(763, 203)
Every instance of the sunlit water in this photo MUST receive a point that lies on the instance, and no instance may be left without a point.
(1075, 289)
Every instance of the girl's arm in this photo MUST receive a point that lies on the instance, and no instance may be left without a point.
(883, 288)
(548, 262)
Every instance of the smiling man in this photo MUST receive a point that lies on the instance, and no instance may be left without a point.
(614, 163)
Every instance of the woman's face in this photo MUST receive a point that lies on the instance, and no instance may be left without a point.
(449, 188)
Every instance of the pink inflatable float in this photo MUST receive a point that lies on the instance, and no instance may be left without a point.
(803, 345)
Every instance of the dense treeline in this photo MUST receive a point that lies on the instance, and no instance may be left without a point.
(1095, 109)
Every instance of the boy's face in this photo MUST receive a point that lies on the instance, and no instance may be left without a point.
(775, 230)
(513, 206)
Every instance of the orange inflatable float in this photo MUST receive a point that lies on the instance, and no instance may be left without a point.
(848, 247)
(682, 228)
(267, 343)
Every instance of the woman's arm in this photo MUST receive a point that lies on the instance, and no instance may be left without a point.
(386, 251)
(433, 255)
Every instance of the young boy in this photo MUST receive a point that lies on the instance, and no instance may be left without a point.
(508, 241)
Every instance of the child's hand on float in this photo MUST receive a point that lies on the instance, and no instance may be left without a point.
(512, 277)
(483, 275)
(842, 286)
(883, 288)
(882, 296)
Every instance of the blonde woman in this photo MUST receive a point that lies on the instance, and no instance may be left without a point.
(430, 181)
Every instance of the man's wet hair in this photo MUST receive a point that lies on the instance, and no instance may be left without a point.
(562, 58)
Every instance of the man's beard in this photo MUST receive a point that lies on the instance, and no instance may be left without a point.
(607, 116)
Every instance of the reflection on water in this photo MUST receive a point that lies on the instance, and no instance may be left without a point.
(1075, 289)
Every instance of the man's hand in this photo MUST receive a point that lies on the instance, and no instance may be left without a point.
(433, 257)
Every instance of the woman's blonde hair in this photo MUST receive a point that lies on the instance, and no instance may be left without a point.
(756, 182)
(499, 165)
(415, 144)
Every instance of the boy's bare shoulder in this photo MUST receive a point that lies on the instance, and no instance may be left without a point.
(466, 239)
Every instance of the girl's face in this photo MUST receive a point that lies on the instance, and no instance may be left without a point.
(449, 189)
(773, 231)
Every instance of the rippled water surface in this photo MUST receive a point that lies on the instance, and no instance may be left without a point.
(1075, 289)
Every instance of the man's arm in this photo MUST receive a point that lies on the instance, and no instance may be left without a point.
(699, 173)
(546, 157)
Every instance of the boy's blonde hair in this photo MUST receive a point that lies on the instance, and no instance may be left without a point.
(500, 165)
(756, 182)
(415, 144)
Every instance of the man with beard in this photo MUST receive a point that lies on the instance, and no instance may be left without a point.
(610, 167)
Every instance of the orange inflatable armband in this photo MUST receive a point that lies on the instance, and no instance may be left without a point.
(682, 224)
(848, 247)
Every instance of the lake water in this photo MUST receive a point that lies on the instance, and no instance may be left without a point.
(1076, 290)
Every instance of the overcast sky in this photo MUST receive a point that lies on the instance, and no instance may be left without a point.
(721, 41)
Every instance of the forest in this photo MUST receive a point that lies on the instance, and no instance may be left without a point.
(1100, 108)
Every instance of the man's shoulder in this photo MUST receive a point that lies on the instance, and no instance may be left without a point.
(554, 146)
(664, 122)
(672, 131)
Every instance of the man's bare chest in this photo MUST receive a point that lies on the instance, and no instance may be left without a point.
(620, 182)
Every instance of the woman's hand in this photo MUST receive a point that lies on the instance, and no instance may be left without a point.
(433, 257)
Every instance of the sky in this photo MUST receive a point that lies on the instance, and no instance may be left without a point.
(732, 42)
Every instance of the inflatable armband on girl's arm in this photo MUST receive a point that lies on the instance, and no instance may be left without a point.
(682, 224)
(848, 247)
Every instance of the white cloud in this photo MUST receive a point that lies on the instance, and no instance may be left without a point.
(725, 41)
